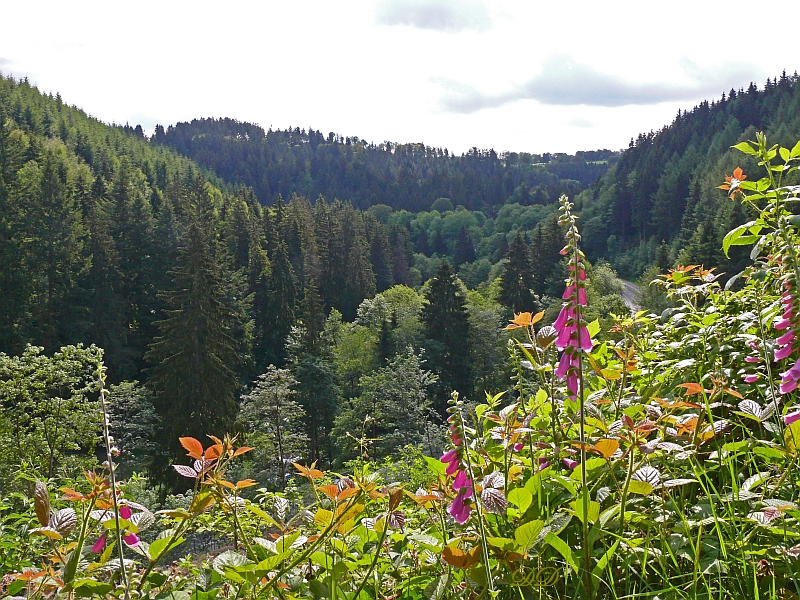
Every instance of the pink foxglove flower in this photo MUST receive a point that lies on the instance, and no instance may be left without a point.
(98, 546)
(751, 378)
(791, 417)
(790, 378)
(131, 539)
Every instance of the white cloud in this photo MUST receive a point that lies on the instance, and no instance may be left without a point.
(566, 82)
(449, 16)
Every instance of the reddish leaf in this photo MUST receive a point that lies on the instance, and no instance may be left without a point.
(41, 503)
(213, 452)
(693, 388)
(192, 446)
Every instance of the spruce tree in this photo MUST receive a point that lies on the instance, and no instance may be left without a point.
(281, 307)
(464, 251)
(193, 382)
(517, 281)
(447, 328)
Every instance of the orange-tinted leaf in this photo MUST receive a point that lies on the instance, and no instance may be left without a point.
(692, 388)
(394, 498)
(687, 427)
(29, 575)
(214, 452)
(316, 474)
(734, 393)
(607, 447)
(347, 493)
(245, 483)
(70, 494)
(460, 559)
(192, 446)
(226, 484)
(331, 491)
(242, 450)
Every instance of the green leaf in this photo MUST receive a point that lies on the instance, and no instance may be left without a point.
(229, 558)
(521, 498)
(594, 327)
(159, 546)
(86, 588)
(785, 154)
(563, 549)
(601, 565)
(746, 148)
(502, 543)
(594, 510)
(261, 514)
(642, 488)
(796, 150)
(435, 465)
(541, 396)
(737, 237)
(791, 437)
(526, 534)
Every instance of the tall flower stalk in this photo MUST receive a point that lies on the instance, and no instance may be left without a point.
(110, 452)
(573, 340)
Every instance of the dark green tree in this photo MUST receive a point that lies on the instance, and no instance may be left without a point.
(193, 382)
(447, 333)
(517, 280)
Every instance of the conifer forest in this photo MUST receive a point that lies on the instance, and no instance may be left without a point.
(239, 362)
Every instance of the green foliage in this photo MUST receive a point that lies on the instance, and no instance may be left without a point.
(274, 425)
(393, 410)
(132, 421)
(50, 416)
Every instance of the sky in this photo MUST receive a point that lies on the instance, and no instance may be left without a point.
(511, 75)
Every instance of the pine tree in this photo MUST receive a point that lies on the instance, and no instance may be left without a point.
(380, 254)
(282, 298)
(193, 382)
(517, 281)
(447, 331)
(464, 251)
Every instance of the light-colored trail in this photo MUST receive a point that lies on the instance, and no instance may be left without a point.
(630, 292)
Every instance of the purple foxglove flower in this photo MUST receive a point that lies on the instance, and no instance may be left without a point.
(98, 546)
(791, 417)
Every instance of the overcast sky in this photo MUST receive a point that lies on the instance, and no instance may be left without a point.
(516, 75)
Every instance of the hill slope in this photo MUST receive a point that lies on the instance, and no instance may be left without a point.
(664, 187)
(404, 176)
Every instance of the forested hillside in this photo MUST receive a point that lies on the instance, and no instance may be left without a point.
(196, 292)
(404, 176)
(664, 187)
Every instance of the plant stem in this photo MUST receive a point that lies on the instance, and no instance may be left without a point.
(112, 475)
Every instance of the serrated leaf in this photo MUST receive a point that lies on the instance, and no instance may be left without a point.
(670, 483)
(521, 498)
(526, 534)
(64, 520)
(229, 558)
(185, 471)
(41, 503)
(648, 474)
(755, 480)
